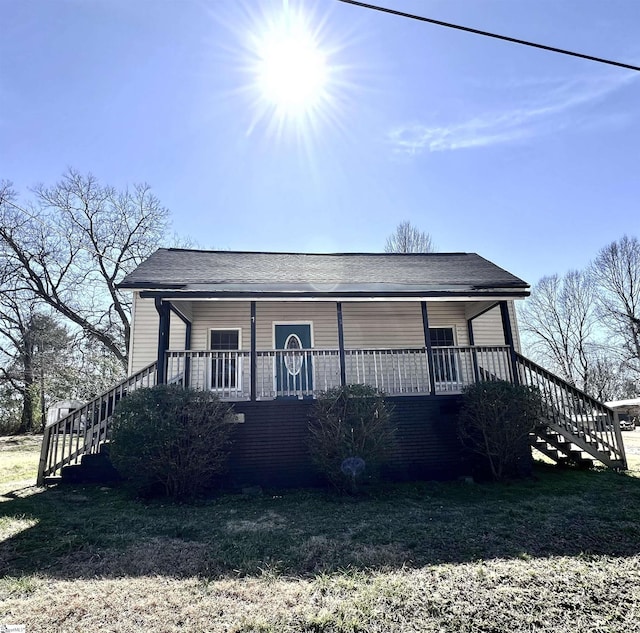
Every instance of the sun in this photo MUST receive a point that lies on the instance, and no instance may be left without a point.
(293, 75)
(292, 70)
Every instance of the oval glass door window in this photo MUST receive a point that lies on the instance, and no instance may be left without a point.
(293, 362)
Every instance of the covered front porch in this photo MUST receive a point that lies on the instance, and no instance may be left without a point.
(255, 350)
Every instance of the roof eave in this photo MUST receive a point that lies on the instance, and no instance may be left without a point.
(484, 294)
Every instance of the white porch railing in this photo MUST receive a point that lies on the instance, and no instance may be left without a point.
(393, 371)
(305, 372)
(456, 367)
(296, 373)
(279, 373)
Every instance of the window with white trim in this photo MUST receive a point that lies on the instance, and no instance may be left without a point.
(444, 360)
(225, 363)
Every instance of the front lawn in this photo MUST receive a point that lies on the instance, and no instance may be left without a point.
(19, 455)
(560, 553)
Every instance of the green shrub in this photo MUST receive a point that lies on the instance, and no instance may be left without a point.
(496, 421)
(350, 434)
(171, 441)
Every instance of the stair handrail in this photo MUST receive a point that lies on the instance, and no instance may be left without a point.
(85, 429)
(609, 437)
(551, 376)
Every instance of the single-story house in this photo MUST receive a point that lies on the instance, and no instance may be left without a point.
(269, 331)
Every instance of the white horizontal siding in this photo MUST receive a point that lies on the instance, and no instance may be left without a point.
(379, 325)
(144, 333)
(221, 315)
(514, 326)
(177, 332)
(323, 316)
(449, 314)
(488, 330)
(143, 349)
(185, 307)
(399, 324)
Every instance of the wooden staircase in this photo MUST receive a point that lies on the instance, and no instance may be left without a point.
(578, 430)
(561, 450)
(81, 434)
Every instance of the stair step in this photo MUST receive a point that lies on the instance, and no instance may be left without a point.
(547, 450)
(582, 464)
(72, 474)
(562, 450)
(93, 468)
(556, 438)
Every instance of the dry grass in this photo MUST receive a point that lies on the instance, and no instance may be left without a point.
(20, 456)
(631, 441)
(561, 553)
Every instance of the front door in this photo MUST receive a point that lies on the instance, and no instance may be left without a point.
(294, 370)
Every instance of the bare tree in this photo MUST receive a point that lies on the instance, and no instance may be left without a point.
(560, 325)
(41, 361)
(72, 245)
(408, 239)
(609, 378)
(33, 349)
(17, 334)
(616, 271)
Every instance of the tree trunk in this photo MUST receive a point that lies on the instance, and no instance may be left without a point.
(28, 396)
(27, 422)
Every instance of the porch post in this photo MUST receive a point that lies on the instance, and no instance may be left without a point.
(187, 360)
(254, 355)
(508, 339)
(343, 369)
(427, 345)
(187, 344)
(474, 354)
(163, 339)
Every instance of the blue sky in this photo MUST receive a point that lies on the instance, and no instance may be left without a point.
(529, 158)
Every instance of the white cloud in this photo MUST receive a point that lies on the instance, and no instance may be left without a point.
(547, 110)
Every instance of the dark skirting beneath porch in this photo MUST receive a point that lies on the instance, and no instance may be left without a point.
(270, 446)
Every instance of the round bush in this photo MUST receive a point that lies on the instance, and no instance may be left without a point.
(350, 434)
(496, 421)
(171, 441)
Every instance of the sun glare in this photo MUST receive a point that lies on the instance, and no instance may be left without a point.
(292, 71)
(293, 76)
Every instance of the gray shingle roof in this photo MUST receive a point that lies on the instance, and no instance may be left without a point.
(240, 273)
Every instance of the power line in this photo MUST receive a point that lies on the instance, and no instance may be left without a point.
(513, 40)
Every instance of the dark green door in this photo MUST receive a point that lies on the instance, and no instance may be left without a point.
(294, 369)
